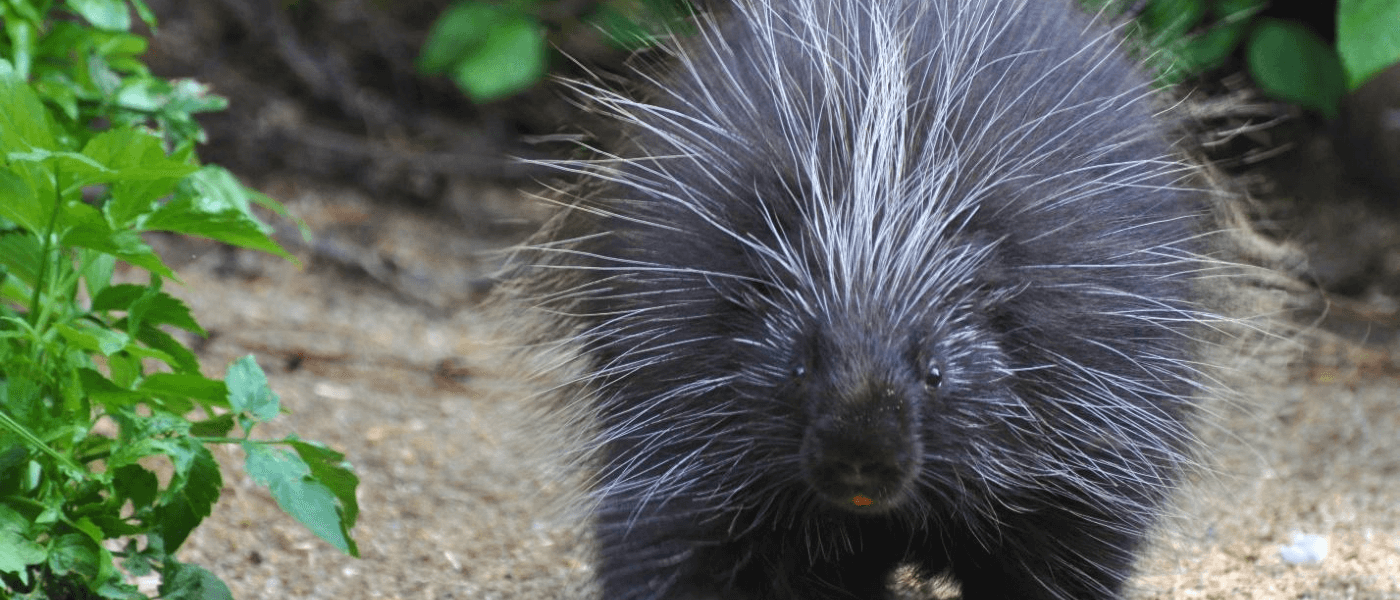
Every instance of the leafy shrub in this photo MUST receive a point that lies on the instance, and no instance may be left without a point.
(95, 394)
(1183, 38)
(494, 48)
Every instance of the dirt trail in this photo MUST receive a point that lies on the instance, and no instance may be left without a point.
(391, 366)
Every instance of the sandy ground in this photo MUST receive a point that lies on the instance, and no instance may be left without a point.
(457, 499)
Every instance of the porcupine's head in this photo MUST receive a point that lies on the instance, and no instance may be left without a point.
(885, 257)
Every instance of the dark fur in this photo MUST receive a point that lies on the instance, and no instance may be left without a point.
(1003, 395)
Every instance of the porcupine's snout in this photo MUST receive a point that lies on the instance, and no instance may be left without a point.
(862, 451)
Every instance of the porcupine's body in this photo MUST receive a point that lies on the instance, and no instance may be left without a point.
(887, 282)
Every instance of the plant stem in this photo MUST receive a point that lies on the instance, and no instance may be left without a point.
(34, 307)
(34, 441)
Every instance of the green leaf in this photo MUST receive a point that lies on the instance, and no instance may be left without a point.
(309, 501)
(59, 92)
(1368, 37)
(510, 59)
(102, 391)
(1235, 11)
(160, 308)
(165, 348)
(144, 95)
(190, 96)
(97, 271)
(21, 204)
(191, 494)
(209, 392)
(145, 13)
(248, 391)
(114, 526)
(74, 553)
(213, 427)
(73, 165)
(460, 29)
(1171, 19)
(86, 526)
(24, 124)
(123, 244)
(172, 104)
(22, 36)
(18, 552)
(11, 520)
(136, 309)
(95, 339)
(13, 461)
(633, 26)
(25, 402)
(116, 589)
(268, 203)
(217, 191)
(134, 155)
(32, 479)
(111, 15)
(1209, 50)
(27, 11)
(329, 467)
(1293, 64)
(138, 169)
(114, 45)
(212, 204)
(137, 484)
(180, 581)
(140, 562)
(144, 435)
(90, 230)
(21, 254)
(622, 31)
(124, 368)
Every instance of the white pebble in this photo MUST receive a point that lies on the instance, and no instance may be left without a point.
(1306, 549)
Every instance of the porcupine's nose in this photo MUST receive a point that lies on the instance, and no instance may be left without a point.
(863, 458)
(862, 468)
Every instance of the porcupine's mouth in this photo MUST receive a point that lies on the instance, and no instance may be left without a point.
(865, 501)
(867, 488)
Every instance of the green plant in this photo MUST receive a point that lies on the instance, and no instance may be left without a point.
(1368, 38)
(105, 416)
(1183, 38)
(495, 48)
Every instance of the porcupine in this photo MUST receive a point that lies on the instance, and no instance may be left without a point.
(880, 283)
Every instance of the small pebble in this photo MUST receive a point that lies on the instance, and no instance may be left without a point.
(1306, 549)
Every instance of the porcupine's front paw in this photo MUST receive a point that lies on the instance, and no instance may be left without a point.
(1051, 557)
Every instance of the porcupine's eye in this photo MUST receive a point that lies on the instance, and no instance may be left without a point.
(801, 361)
(933, 377)
(919, 354)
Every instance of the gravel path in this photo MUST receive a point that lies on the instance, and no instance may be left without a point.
(458, 499)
